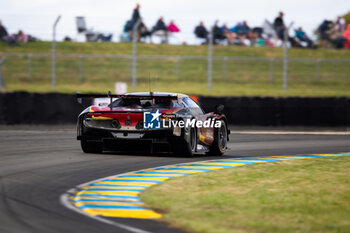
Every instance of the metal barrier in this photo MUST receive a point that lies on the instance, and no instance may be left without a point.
(2, 81)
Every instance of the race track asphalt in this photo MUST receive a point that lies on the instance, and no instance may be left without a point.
(37, 165)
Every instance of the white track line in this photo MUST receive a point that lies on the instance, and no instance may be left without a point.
(64, 201)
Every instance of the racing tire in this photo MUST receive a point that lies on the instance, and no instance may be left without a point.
(219, 145)
(188, 148)
(91, 147)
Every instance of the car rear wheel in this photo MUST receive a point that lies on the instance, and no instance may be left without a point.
(189, 147)
(219, 145)
(91, 147)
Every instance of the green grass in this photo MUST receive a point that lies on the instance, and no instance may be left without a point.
(241, 78)
(291, 196)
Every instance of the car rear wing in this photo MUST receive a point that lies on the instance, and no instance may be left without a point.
(80, 96)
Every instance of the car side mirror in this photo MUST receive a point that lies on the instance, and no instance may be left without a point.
(219, 109)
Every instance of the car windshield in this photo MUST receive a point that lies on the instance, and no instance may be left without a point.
(145, 103)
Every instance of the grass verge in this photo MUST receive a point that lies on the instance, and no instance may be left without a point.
(189, 76)
(290, 196)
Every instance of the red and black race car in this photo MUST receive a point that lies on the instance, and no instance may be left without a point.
(151, 123)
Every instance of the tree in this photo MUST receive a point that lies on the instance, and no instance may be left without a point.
(347, 17)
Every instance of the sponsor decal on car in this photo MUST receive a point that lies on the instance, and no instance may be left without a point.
(151, 120)
(190, 123)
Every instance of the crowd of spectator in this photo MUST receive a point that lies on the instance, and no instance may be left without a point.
(160, 29)
(330, 33)
(270, 34)
(4, 35)
(335, 33)
(15, 38)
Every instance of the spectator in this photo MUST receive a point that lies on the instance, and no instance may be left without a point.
(66, 39)
(201, 32)
(336, 37)
(172, 27)
(174, 32)
(160, 25)
(239, 31)
(346, 35)
(128, 27)
(21, 36)
(280, 29)
(246, 28)
(142, 30)
(128, 31)
(228, 34)
(219, 34)
(279, 26)
(257, 34)
(161, 30)
(301, 35)
(136, 13)
(322, 29)
(250, 34)
(340, 24)
(6, 37)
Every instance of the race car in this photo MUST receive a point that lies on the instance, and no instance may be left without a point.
(151, 122)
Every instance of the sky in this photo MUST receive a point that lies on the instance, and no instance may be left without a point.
(36, 17)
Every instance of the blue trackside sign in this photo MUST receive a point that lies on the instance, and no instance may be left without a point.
(151, 120)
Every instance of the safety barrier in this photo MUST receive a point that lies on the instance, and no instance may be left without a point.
(35, 108)
(291, 111)
(54, 108)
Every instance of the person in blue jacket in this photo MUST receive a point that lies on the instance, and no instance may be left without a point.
(240, 32)
(301, 35)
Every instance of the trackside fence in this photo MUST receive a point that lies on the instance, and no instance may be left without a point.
(249, 72)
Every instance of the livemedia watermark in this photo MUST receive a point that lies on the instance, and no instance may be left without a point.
(152, 120)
